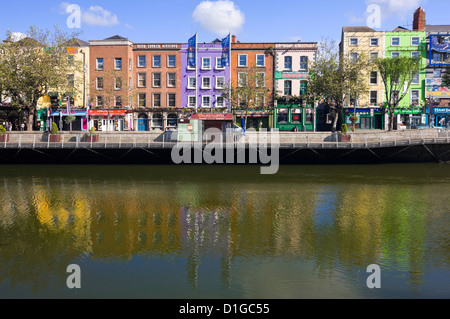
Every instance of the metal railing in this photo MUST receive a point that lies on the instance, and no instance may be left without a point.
(290, 140)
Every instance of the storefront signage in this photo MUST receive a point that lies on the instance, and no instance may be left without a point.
(72, 50)
(440, 43)
(434, 88)
(64, 113)
(212, 117)
(365, 111)
(441, 110)
(105, 112)
(291, 75)
(408, 111)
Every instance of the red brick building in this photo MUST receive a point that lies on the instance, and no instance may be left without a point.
(156, 71)
(260, 55)
(110, 79)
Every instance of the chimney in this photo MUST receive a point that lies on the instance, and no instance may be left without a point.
(419, 20)
(233, 39)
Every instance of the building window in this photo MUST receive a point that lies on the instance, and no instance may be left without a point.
(142, 61)
(142, 99)
(288, 88)
(416, 78)
(206, 101)
(282, 116)
(118, 101)
(71, 59)
(99, 101)
(206, 82)
(156, 100)
(354, 56)
(374, 97)
(260, 60)
(436, 74)
(303, 63)
(303, 87)
(288, 63)
(171, 100)
(242, 60)
(373, 77)
(353, 42)
(415, 95)
(192, 102)
(309, 116)
(71, 79)
(171, 80)
(373, 56)
(242, 79)
(172, 120)
(260, 79)
(220, 101)
(118, 64)
(142, 80)
(415, 54)
(156, 61)
(99, 64)
(374, 42)
(156, 80)
(219, 64)
(206, 63)
(157, 120)
(191, 83)
(259, 100)
(171, 61)
(118, 83)
(395, 54)
(395, 41)
(296, 116)
(220, 82)
(129, 64)
(415, 41)
(100, 83)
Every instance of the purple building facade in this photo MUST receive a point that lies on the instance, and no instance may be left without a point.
(211, 78)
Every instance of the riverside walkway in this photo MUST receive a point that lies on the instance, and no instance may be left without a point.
(425, 145)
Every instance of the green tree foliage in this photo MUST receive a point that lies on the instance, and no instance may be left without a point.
(334, 77)
(31, 67)
(397, 74)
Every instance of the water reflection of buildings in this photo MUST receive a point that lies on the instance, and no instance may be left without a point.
(354, 225)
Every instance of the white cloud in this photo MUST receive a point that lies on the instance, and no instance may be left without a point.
(96, 15)
(17, 36)
(399, 8)
(219, 17)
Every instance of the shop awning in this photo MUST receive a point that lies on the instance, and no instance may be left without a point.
(212, 117)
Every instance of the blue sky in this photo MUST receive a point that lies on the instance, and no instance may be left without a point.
(250, 20)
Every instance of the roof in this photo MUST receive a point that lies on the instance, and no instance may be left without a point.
(74, 42)
(437, 28)
(357, 29)
(400, 29)
(116, 37)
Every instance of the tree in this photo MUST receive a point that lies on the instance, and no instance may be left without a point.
(335, 77)
(397, 73)
(250, 91)
(30, 67)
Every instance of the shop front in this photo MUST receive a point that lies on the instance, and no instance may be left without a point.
(364, 118)
(441, 117)
(294, 117)
(111, 120)
(256, 119)
(75, 121)
(410, 118)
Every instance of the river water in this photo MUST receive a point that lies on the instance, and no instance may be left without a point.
(185, 232)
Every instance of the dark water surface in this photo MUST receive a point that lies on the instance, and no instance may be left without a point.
(225, 232)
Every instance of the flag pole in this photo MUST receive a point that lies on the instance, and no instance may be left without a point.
(196, 73)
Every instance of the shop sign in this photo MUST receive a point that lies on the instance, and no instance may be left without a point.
(291, 75)
(441, 110)
(408, 111)
(105, 113)
(212, 117)
(72, 50)
(64, 113)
